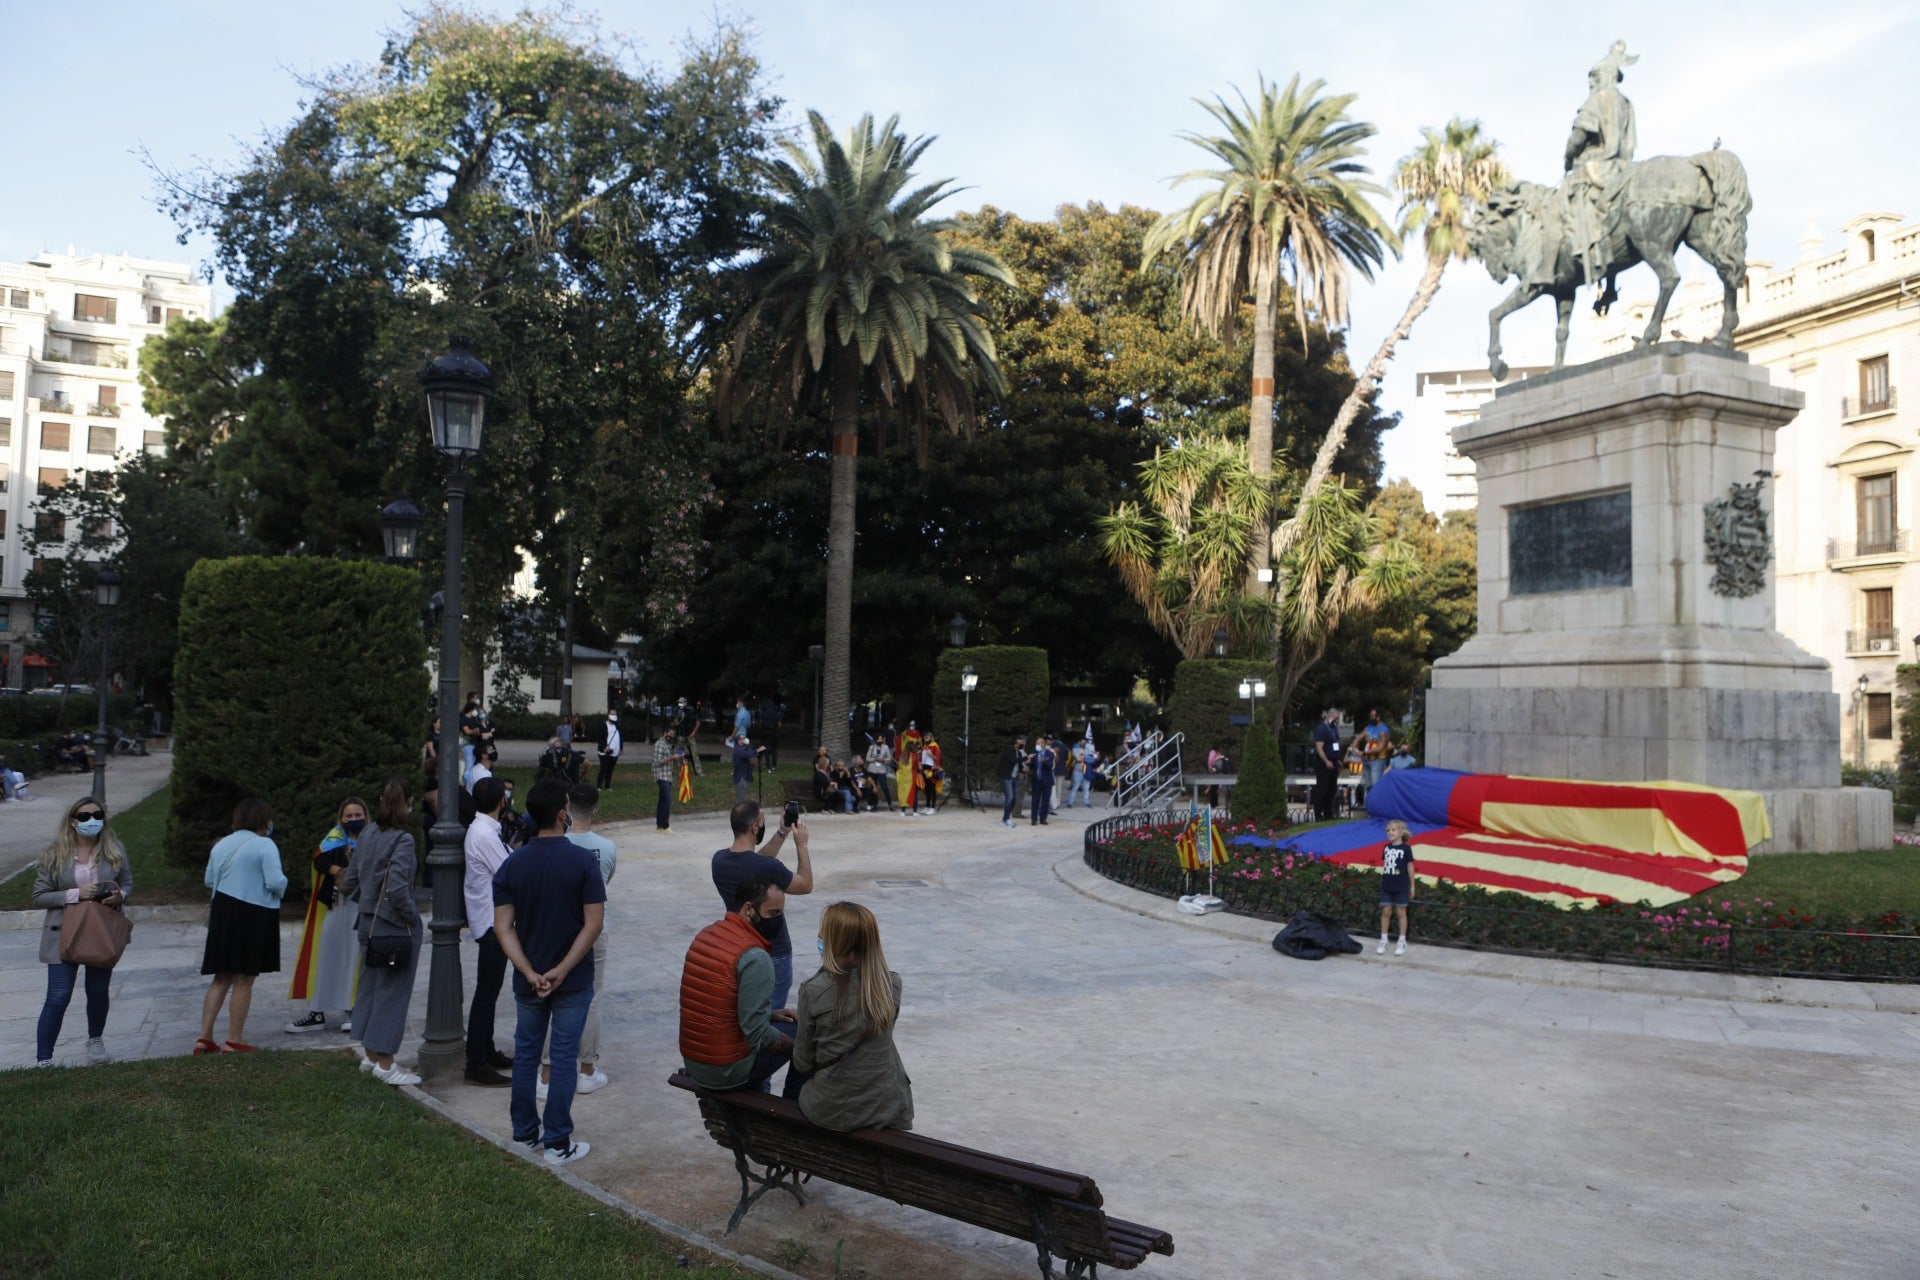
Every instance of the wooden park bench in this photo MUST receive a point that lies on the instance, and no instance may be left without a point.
(800, 789)
(1057, 1212)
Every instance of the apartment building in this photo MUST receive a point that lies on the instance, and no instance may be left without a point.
(1447, 398)
(71, 328)
(1842, 324)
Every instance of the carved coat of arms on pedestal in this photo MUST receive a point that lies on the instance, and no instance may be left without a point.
(1738, 541)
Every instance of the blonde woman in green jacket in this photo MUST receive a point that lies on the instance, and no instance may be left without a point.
(843, 1042)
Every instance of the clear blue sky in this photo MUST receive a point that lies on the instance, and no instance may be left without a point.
(1039, 103)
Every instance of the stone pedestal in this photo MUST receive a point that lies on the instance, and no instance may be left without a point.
(1612, 647)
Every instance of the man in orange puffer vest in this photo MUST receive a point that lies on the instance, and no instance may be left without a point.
(727, 1039)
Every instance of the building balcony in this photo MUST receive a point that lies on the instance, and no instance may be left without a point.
(56, 404)
(103, 411)
(112, 358)
(1873, 642)
(1859, 409)
(1864, 553)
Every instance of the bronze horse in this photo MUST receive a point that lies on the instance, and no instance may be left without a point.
(1701, 201)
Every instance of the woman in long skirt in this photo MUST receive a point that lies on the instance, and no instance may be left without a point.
(380, 879)
(328, 962)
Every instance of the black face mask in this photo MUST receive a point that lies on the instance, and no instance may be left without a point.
(759, 832)
(769, 926)
(354, 826)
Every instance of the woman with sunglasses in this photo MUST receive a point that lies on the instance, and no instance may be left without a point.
(85, 863)
(243, 924)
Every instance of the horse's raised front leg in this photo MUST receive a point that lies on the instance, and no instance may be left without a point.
(1520, 297)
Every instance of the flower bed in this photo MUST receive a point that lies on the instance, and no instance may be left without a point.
(1734, 933)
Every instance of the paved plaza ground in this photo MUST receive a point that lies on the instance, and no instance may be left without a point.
(1370, 1115)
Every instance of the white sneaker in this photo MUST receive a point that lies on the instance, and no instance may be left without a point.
(594, 1081)
(347, 1025)
(557, 1156)
(1401, 949)
(540, 1090)
(1382, 948)
(366, 1063)
(395, 1075)
(97, 1051)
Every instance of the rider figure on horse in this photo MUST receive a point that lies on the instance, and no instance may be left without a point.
(1599, 152)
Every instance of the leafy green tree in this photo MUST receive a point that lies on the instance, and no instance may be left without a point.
(1291, 198)
(854, 286)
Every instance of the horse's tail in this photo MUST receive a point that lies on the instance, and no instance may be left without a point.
(1726, 234)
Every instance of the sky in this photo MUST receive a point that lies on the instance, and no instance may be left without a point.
(1039, 103)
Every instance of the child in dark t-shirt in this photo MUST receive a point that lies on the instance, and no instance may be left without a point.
(1396, 884)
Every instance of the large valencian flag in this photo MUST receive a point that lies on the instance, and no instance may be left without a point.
(1573, 843)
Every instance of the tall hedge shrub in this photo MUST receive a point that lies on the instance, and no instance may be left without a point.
(301, 680)
(1205, 692)
(1260, 793)
(1011, 699)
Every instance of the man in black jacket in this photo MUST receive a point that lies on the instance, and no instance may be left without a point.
(1012, 760)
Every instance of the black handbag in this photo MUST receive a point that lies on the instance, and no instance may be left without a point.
(388, 951)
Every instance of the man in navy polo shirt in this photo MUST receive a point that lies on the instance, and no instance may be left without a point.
(742, 863)
(549, 903)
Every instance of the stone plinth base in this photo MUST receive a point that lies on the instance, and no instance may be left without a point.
(1828, 820)
(1752, 739)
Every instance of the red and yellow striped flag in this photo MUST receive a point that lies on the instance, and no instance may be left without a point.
(685, 793)
(1187, 844)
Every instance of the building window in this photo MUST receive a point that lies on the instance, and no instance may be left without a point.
(173, 313)
(51, 478)
(49, 528)
(55, 436)
(6, 432)
(95, 309)
(1880, 716)
(153, 315)
(153, 441)
(96, 531)
(1876, 387)
(100, 440)
(17, 298)
(6, 474)
(1874, 514)
(6, 384)
(106, 395)
(550, 683)
(1877, 609)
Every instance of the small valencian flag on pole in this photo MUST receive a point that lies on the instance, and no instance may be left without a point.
(1187, 844)
(685, 794)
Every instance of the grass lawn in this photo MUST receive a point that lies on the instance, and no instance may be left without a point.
(633, 793)
(141, 828)
(1856, 885)
(284, 1164)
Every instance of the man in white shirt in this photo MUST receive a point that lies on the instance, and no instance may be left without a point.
(486, 850)
(481, 771)
(583, 805)
(609, 750)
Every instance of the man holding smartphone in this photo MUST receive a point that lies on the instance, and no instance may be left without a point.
(746, 860)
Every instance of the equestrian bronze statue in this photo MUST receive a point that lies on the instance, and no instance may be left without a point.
(1610, 213)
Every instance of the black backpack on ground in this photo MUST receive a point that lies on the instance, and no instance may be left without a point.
(1312, 936)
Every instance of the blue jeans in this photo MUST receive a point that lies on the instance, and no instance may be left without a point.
(60, 978)
(1082, 787)
(566, 1011)
(1010, 788)
(663, 810)
(782, 981)
(466, 758)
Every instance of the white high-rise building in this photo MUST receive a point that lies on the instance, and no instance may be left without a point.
(70, 334)
(1841, 324)
(1447, 398)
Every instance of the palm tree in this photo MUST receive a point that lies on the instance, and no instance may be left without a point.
(853, 287)
(1290, 203)
(1181, 549)
(1442, 184)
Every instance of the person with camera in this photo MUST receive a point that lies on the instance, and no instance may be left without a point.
(747, 860)
(85, 863)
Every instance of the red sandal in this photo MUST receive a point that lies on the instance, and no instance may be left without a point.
(206, 1046)
(235, 1046)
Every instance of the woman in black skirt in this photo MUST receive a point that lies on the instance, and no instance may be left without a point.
(243, 925)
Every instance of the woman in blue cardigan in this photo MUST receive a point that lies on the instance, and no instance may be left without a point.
(243, 925)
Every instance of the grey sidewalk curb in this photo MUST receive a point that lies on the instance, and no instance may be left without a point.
(35, 916)
(1886, 997)
(601, 1194)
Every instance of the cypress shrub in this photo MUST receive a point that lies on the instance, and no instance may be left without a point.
(1205, 692)
(1261, 793)
(1011, 699)
(301, 680)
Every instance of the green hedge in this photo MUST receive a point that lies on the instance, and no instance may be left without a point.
(1906, 683)
(1011, 699)
(1205, 692)
(300, 680)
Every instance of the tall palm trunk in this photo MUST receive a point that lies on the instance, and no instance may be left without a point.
(1260, 410)
(1289, 531)
(837, 677)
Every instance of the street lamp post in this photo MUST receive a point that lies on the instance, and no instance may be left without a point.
(400, 530)
(106, 593)
(457, 388)
(968, 683)
(1250, 690)
(1860, 721)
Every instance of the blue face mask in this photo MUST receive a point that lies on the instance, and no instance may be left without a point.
(90, 827)
(269, 831)
(820, 945)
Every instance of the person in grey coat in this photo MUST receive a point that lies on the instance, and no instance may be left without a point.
(843, 1040)
(379, 881)
(85, 863)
